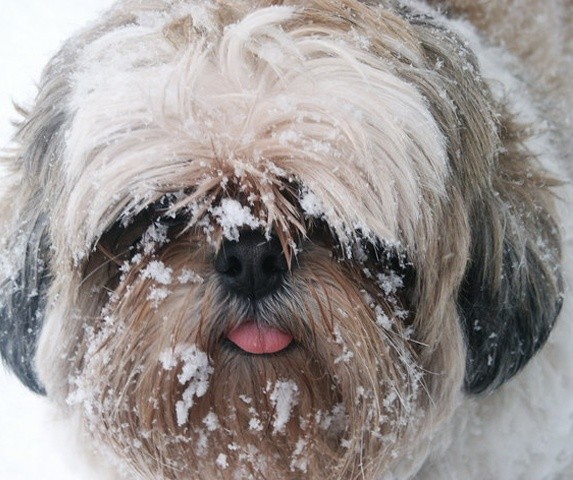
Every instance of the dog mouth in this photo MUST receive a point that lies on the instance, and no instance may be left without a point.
(259, 339)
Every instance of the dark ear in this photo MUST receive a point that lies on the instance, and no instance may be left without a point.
(25, 244)
(512, 291)
(23, 301)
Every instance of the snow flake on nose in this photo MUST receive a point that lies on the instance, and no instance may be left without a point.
(232, 216)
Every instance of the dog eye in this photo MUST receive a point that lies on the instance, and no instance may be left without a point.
(149, 225)
(320, 234)
(172, 220)
(380, 258)
(161, 212)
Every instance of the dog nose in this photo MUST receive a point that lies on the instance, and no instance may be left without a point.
(252, 267)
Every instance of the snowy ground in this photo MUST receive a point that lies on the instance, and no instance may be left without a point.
(30, 32)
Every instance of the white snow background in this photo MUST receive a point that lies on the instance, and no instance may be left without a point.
(33, 444)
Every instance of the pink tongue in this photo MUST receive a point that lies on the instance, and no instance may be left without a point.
(259, 339)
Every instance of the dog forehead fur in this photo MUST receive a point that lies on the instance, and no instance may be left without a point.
(393, 124)
(256, 97)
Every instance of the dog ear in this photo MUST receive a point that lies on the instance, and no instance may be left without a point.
(25, 242)
(512, 291)
(23, 302)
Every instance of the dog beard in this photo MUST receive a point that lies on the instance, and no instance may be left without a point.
(161, 380)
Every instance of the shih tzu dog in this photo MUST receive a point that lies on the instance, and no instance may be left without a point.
(300, 239)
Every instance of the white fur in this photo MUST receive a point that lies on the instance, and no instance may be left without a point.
(208, 101)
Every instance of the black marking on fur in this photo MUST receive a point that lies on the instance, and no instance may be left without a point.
(22, 308)
(507, 313)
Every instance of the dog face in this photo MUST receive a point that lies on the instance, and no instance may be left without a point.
(273, 239)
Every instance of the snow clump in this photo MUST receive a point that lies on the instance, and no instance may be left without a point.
(195, 373)
(231, 216)
(284, 397)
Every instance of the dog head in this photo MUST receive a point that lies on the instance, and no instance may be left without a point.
(276, 238)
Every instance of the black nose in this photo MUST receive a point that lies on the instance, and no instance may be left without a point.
(253, 267)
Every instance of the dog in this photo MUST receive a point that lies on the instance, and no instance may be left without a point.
(300, 239)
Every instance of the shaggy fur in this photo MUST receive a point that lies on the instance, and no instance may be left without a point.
(407, 167)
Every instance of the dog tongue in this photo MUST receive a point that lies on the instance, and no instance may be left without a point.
(259, 339)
